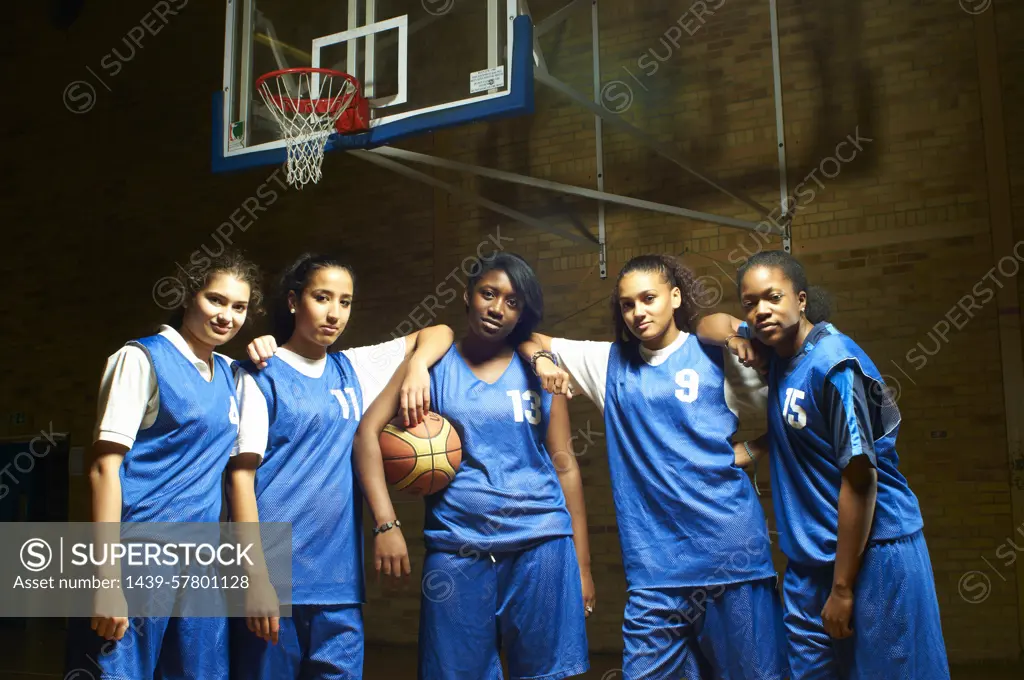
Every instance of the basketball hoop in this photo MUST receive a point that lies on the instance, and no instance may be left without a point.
(312, 113)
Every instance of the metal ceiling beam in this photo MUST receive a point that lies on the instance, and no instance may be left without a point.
(538, 53)
(557, 17)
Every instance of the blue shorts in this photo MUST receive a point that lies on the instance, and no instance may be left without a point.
(317, 641)
(897, 634)
(530, 603)
(727, 632)
(162, 647)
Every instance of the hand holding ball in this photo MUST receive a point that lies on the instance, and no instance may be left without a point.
(420, 460)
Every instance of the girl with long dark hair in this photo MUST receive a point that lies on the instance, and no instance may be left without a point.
(702, 601)
(299, 416)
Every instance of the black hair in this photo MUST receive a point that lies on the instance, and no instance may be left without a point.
(188, 282)
(294, 279)
(819, 302)
(676, 275)
(527, 287)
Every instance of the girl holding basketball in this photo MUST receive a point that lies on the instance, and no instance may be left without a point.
(168, 421)
(298, 418)
(702, 601)
(508, 560)
(859, 592)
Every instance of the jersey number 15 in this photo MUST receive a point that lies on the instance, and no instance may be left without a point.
(795, 414)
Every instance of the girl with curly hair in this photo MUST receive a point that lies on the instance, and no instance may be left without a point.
(702, 600)
(168, 421)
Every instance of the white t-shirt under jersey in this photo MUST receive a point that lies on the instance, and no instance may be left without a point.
(374, 366)
(129, 398)
(587, 363)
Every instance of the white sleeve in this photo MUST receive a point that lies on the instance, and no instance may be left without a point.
(745, 393)
(253, 416)
(587, 363)
(374, 365)
(128, 398)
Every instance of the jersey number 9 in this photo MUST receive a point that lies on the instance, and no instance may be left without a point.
(688, 381)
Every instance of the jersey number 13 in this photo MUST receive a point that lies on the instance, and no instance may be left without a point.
(531, 412)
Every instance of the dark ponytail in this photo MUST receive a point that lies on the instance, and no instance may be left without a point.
(676, 275)
(819, 302)
(294, 279)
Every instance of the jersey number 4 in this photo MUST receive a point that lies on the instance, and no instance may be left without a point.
(343, 397)
(795, 414)
(532, 412)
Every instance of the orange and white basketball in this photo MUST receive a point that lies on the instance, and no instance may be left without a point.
(420, 460)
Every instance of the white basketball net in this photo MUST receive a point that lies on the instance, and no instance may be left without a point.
(307, 117)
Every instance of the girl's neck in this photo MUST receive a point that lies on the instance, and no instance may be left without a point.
(787, 349)
(477, 349)
(305, 348)
(202, 350)
(664, 340)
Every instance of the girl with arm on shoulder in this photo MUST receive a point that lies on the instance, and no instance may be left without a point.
(859, 591)
(507, 539)
(294, 465)
(693, 535)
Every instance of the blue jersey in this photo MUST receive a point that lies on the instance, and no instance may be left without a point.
(687, 515)
(826, 405)
(506, 495)
(306, 477)
(173, 471)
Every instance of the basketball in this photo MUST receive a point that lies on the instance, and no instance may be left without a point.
(420, 460)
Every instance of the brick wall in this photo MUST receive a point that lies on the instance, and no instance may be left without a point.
(102, 204)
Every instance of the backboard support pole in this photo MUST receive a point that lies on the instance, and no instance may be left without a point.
(780, 128)
(599, 138)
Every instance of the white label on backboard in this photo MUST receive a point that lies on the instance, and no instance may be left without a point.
(488, 79)
(236, 135)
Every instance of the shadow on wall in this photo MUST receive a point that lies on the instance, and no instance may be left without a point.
(829, 40)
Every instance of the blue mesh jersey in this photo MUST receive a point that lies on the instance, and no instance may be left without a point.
(307, 478)
(505, 496)
(826, 405)
(173, 471)
(687, 515)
